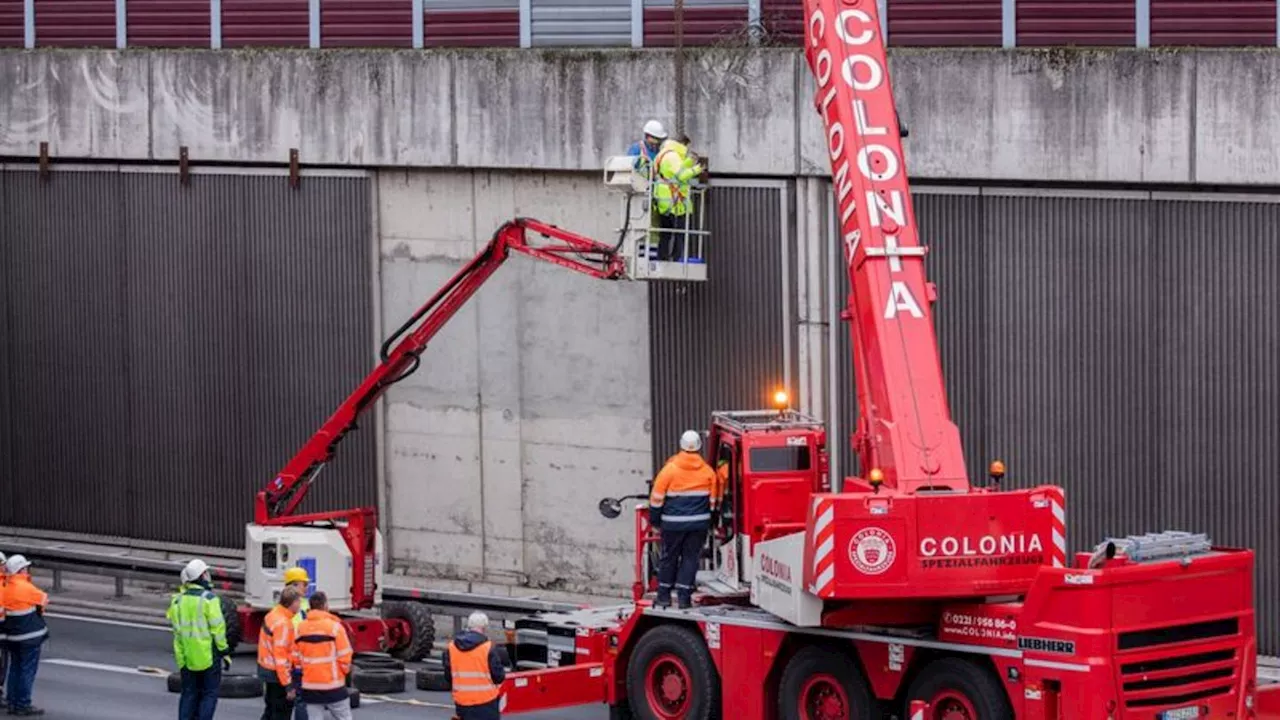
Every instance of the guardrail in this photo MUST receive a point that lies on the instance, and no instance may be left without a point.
(122, 567)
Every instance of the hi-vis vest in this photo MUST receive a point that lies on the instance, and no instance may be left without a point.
(323, 651)
(672, 171)
(3, 580)
(472, 683)
(23, 623)
(274, 643)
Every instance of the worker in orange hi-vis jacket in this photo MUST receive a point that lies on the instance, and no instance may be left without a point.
(26, 632)
(4, 646)
(323, 652)
(680, 504)
(275, 661)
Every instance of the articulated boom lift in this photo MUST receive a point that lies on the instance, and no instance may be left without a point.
(342, 549)
(908, 591)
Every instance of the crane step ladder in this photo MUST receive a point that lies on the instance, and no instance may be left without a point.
(643, 230)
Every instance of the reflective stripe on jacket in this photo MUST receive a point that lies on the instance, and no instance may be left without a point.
(469, 670)
(274, 643)
(674, 170)
(24, 605)
(195, 614)
(682, 492)
(323, 651)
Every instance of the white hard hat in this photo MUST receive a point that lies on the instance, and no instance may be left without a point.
(194, 570)
(2, 558)
(653, 128)
(478, 621)
(691, 441)
(16, 564)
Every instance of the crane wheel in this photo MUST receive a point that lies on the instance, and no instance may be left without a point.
(820, 683)
(960, 689)
(422, 629)
(671, 675)
(231, 616)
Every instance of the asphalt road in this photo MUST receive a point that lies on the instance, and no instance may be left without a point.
(91, 671)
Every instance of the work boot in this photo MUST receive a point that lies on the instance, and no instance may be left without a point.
(28, 711)
(662, 603)
(685, 603)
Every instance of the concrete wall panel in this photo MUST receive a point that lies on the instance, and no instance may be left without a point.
(1070, 115)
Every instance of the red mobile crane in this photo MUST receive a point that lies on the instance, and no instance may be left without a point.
(342, 549)
(909, 591)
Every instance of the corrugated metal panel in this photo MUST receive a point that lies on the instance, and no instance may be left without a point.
(705, 22)
(75, 23)
(719, 345)
(168, 23)
(1225, 22)
(1214, 332)
(581, 22)
(69, 410)
(1090, 22)
(12, 24)
(172, 347)
(783, 21)
(266, 23)
(366, 23)
(463, 23)
(942, 23)
(8, 237)
(1141, 381)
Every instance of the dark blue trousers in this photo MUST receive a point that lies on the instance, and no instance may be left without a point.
(678, 566)
(200, 693)
(24, 660)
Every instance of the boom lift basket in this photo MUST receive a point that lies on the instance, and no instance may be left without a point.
(642, 231)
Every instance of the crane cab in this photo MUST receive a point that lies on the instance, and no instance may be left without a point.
(643, 231)
(770, 463)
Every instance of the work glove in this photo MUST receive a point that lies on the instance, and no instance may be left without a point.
(226, 663)
(655, 516)
(715, 517)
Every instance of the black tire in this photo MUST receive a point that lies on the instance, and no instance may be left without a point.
(233, 686)
(432, 680)
(422, 629)
(378, 681)
(503, 656)
(240, 686)
(817, 675)
(378, 662)
(354, 696)
(955, 680)
(678, 654)
(620, 712)
(235, 630)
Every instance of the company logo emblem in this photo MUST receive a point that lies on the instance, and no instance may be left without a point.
(872, 551)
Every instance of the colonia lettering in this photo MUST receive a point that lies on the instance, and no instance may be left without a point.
(1014, 544)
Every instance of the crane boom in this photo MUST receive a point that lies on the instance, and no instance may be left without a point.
(905, 427)
(277, 503)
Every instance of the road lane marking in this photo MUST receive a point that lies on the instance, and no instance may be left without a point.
(104, 621)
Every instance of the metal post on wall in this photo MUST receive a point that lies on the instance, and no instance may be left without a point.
(314, 21)
(526, 23)
(29, 24)
(215, 24)
(1009, 23)
(882, 7)
(122, 25)
(1142, 23)
(679, 23)
(419, 25)
(637, 23)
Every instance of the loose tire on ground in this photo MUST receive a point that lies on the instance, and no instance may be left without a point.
(671, 675)
(958, 688)
(820, 683)
(432, 680)
(376, 681)
(381, 662)
(235, 631)
(422, 629)
(233, 686)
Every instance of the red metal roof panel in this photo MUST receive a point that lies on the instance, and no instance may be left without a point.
(1220, 23)
(270, 23)
(945, 23)
(168, 23)
(702, 25)
(12, 24)
(366, 23)
(472, 28)
(1088, 22)
(783, 20)
(75, 23)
